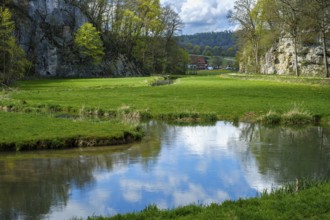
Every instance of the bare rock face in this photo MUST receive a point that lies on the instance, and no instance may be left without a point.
(45, 30)
(280, 59)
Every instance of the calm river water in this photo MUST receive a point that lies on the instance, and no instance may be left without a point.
(172, 166)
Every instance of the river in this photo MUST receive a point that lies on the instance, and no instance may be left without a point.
(172, 166)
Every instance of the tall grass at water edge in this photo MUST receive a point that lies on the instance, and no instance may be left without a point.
(294, 117)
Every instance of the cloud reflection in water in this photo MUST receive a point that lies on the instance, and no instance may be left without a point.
(172, 166)
(195, 165)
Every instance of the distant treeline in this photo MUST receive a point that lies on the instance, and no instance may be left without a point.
(210, 43)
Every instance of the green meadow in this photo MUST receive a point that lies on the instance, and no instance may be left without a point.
(60, 109)
(31, 109)
(228, 97)
(21, 132)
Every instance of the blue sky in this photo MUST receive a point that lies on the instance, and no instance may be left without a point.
(202, 15)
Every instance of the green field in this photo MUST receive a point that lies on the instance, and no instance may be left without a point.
(228, 97)
(36, 104)
(21, 131)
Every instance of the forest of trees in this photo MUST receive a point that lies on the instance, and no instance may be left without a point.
(210, 44)
(263, 22)
(146, 33)
(141, 30)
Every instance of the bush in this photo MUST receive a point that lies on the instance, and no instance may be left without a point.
(271, 118)
(297, 117)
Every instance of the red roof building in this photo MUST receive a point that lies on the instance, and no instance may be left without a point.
(198, 61)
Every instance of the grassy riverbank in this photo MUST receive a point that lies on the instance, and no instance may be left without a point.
(312, 202)
(202, 98)
(21, 131)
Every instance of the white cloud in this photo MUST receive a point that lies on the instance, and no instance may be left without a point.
(202, 15)
(208, 140)
(132, 196)
(194, 193)
(197, 194)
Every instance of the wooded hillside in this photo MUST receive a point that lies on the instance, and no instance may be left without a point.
(88, 38)
(210, 44)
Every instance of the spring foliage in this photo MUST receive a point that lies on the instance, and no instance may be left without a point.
(13, 63)
(142, 30)
(89, 44)
(263, 22)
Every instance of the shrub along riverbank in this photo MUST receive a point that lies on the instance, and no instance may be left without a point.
(200, 98)
(305, 200)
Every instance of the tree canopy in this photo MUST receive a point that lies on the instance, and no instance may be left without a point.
(142, 30)
(89, 44)
(212, 43)
(13, 63)
(263, 22)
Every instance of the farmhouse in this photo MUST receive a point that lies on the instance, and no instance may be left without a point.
(198, 61)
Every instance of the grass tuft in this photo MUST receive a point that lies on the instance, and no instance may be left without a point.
(128, 115)
(295, 116)
(271, 118)
(295, 186)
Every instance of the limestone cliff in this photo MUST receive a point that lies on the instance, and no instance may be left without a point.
(280, 59)
(45, 30)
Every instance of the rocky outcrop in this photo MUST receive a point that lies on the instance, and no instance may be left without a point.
(280, 59)
(45, 30)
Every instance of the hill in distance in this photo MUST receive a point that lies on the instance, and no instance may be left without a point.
(210, 43)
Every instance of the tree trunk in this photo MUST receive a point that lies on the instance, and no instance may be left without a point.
(4, 64)
(325, 58)
(256, 54)
(166, 50)
(295, 57)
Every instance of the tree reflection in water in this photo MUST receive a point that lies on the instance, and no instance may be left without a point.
(29, 187)
(285, 154)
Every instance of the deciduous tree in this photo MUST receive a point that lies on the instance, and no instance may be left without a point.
(88, 43)
(172, 24)
(318, 12)
(247, 17)
(142, 30)
(13, 63)
(290, 15)
(216, 61)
